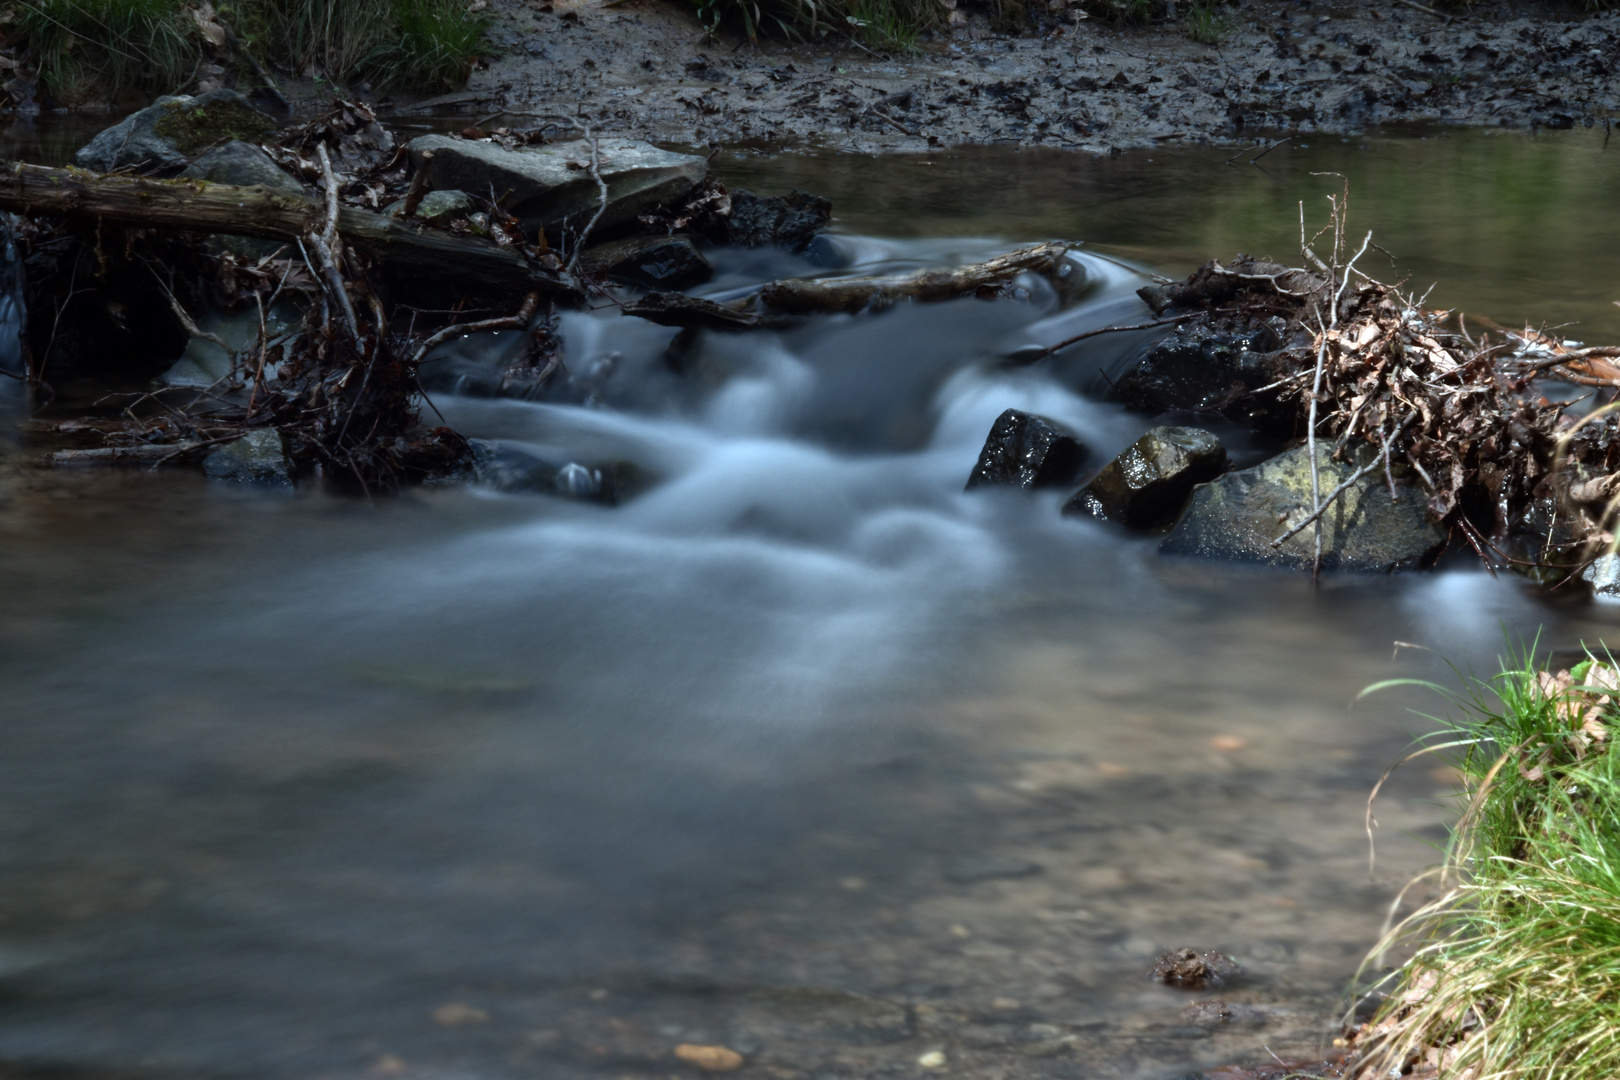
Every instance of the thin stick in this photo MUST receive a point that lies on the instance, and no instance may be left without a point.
(1023, 357)
(602, 188)
(1342, 488)
(505, 322)
(1310, 440)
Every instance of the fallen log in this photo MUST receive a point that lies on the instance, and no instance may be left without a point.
(407, 253)
(696, 313)
(804, 295)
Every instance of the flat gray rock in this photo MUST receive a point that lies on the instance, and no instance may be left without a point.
(545, 186)
(244, 165)
(1238, 515)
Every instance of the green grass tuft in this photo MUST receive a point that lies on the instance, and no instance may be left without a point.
(1516, 972)
(89, 47)
(1206, 23)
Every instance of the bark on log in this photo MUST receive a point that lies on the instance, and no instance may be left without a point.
(407, 253)
(696, 313)
(804, 295)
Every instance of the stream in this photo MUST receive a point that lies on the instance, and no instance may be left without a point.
(802, 751)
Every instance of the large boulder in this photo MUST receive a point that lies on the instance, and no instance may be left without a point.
(1147, 485)
(545, 186)
(658, 262)
(168, 135)
(1027, 451)
(1200, 368)
(1237, 516)
(789, 221)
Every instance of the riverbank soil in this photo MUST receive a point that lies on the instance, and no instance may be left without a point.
(647, 67)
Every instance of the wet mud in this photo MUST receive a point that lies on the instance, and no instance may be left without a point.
(647, 68)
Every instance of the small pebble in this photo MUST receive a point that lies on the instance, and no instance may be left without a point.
(934, 1059)
(709, 1058)
(458, 1014)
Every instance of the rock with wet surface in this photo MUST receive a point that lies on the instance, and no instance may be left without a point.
(658, 262)
(259, 455)
(789, 221)
(166, 136)
(1604, 577)
(1193, 970)
(545, 186)
(516, 471)
(1027, 451)
(1147, 485)
(1199, 367)
(1237, 516)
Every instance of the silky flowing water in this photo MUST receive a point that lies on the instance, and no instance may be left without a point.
(804, 751)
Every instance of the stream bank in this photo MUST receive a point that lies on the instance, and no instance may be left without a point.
(1300, 69)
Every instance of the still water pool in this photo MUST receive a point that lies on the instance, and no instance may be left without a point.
(804, 751)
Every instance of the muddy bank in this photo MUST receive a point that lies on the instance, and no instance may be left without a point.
(645, 67)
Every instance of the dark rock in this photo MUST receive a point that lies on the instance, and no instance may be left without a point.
(244, 165)
(819, 1014)
(775, 221)
(1194, 970)
(166, 136)
(1238, 515)
(659, 262)
(437, 207)
(1604, 577)
(973, 868)
(1147, 485)
(1201, 367)
(545, 186)
(13, 304)
(1217, 1013)
(1027, 451)
(259, 455)
(516, 471)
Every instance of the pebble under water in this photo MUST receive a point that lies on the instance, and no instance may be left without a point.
(802, 751)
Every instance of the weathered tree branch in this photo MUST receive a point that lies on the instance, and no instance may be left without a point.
(405, 252)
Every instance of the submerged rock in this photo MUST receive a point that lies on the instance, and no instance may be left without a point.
(259, 455)
(1238, 515)
(1027, 451)
(1201, 368)
(1147, 485)
(1194, 970)
(167, 135)
(969, 869)
(547, 185)
(658, 262)
(512, 470)
(789, 221)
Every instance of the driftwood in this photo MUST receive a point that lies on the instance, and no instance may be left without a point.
(696, 313)
(804, 295)
(404, 252)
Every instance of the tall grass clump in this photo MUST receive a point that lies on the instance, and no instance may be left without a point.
(1516, 968)
(392, 42)
(86, 46)
(889, 24)
(115, 47)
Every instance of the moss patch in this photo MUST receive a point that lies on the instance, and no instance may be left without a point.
(194, 128)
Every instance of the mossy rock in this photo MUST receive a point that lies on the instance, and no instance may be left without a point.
(213, 118)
